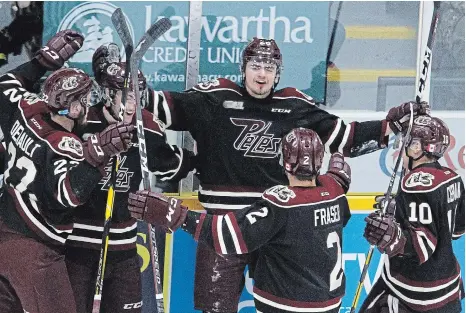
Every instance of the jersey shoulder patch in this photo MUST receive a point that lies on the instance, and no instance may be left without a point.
(293, 93)
(66, 144)
(279, 195)
(426, 179)
(218, 85)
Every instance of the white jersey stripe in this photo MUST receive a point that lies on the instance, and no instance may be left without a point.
(345, 138)
(35, 221)
(292, 308)
(99, 240)
(101, 229)
(234, 237)
(333, 135)
(415, 301)
(416, 288)
(221, 241)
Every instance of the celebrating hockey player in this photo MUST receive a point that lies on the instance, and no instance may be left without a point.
(296, 230)
(49, 172)
(238, 131)
(122, 291)
(421, 273)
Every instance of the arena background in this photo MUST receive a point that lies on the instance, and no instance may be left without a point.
(373, 68)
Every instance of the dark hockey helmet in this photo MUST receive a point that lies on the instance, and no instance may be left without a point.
(64, 86)
(112, 76)
(432, 134)
(262, 50)
(302, 152)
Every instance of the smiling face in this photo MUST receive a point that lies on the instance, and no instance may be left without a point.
(260, 78)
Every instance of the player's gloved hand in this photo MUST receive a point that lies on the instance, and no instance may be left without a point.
(380, 204)
(105, 54)
(339, 170)
(59, 49)
(385, 233)
(111, 141)
(398, 117)
(157, 209)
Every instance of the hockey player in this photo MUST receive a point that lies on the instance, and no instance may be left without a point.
(296, 229)
(238, 132)
(49, 172)
(421, 273)
(122, 282)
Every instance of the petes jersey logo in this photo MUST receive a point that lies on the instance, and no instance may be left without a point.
(282, 193)
(420, 179)
(70, 144)
(255, 140)
(93, 20)
(123, 177)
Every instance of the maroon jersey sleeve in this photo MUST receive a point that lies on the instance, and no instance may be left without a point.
(238, 232)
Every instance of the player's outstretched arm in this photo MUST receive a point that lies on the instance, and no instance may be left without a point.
(240, 232)
(358, 138)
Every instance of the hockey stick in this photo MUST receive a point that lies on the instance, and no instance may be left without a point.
(154, 32)
(127, 41)
(330, 49)
(421, 91)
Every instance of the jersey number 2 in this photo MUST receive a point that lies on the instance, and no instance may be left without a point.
(23, 163)
(336, 275)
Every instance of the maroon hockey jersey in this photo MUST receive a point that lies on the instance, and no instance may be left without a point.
(430, 209)
(297, 232)
(238, 136)
(45, 176)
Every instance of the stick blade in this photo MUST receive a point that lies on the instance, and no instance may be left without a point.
(119, 22)
(153, 33)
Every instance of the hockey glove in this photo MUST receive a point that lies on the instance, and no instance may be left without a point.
(339, 170)
(157, 209)
(105, 54)
(59, 49)
(385, 233)
(113, 140)
(380, 204)
(398, 117)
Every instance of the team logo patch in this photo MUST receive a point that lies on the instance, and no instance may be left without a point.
(113, 69)
(420, 179)
(72, 145)
(70, 83)
(282, 193)
(209, 84)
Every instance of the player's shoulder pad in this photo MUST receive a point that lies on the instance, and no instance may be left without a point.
(152, 123)
(32, 104)
(66, 144)
(293, 94)
(427, 179)
(330, 184)
(61, 142)
(220, 84)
